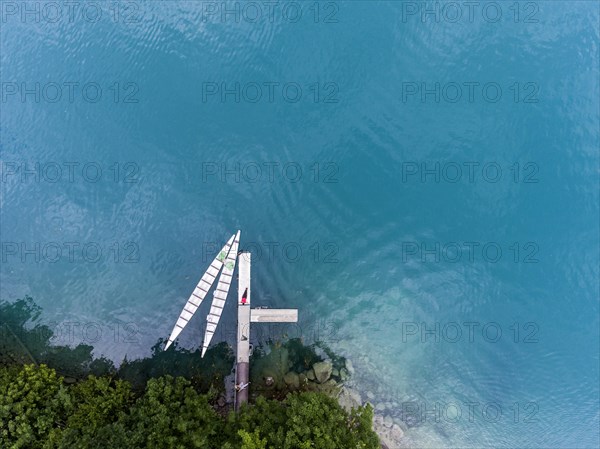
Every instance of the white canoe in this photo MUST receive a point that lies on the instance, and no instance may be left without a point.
(220, 294)
(201, 290)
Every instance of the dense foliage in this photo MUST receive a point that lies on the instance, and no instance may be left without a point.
(38, 410)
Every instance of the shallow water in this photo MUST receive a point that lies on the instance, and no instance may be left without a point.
(424, 191)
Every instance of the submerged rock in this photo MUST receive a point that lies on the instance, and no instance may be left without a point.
(397, 431)
(344, 375)
(388, 421)
(389, 434)
(310, 374)
(349, 366)
(349, 399)
(322, 371)
(330, 388)
(292, 379)
(275, 364)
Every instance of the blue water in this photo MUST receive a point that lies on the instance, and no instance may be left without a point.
(334, 186)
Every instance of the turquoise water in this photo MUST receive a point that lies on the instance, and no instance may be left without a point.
(423, 188)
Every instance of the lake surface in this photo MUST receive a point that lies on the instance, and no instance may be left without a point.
(420, 180)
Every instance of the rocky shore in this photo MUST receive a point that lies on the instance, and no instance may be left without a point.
(294, 367)
(389, 429)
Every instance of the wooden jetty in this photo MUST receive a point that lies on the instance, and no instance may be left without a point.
(224, 263)
(247, 315)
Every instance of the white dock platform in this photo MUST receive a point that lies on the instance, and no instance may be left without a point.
(244, 312)
(274, 315)
(246, 315)
(242, 370)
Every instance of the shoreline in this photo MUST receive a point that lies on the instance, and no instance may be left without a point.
(277, 368)
(328, 373)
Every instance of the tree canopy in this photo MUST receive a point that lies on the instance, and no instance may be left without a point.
(39, 411)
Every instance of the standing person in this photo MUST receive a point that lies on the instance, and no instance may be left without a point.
(245, 297)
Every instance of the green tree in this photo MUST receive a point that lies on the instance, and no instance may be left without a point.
(319, 419)
(172, 415)
(267, 416)
(37, 411)
(252, 440)
(34, 406)
(99, 403)
(307, 420)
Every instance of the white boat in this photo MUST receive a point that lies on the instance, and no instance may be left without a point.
(203, 287)
(220, 294)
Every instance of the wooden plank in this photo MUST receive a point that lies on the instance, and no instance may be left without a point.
(242, 375)
(274, 316)
(243, 331)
